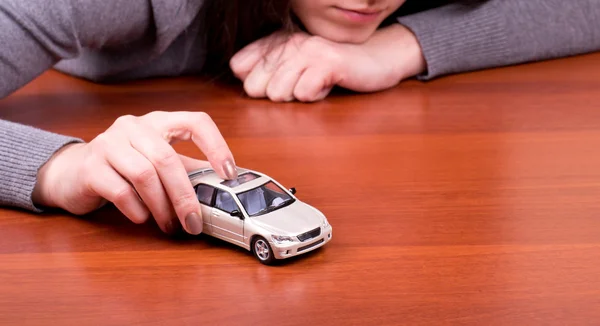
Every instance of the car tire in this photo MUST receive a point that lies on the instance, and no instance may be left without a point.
(262, 250)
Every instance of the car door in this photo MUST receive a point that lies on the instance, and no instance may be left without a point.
(224, 224)
(205, 194)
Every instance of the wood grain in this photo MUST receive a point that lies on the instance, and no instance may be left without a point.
(469, 200)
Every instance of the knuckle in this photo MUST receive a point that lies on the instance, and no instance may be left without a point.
(144, 176)
(183, 201)
(253, 90)
(199, 118)
(276, 95)
(165, 158)
(275, 98)
(124, 194)
(139, 218)
(88, 188)
(88, 172)
(235, 64)
(273, 92)
(154, 115)
(102, 141)
(125, 120)
(303, 96)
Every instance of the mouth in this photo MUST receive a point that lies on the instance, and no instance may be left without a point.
(360, 15)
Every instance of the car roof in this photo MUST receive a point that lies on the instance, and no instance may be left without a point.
(210, 177)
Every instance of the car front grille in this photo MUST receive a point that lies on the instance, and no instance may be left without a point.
(311, 245)
(310, 234)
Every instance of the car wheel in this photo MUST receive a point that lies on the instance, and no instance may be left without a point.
(262, 250)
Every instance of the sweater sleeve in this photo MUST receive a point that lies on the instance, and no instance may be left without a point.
(472, 35)
(23, 150)
(36, 34)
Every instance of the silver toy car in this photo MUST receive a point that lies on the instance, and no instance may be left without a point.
(255, 212)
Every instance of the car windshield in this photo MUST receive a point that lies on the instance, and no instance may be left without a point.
(241, 179)
(264, 199)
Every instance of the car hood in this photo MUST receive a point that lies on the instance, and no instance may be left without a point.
(293, 219)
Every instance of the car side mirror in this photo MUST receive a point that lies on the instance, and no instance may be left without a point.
(238, 214)
(293, 190)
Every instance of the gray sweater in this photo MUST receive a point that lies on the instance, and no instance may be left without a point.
(130, 39)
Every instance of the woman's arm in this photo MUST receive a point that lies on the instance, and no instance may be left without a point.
(23, 150)
(472, 35)
(36, 34)
(462, 36)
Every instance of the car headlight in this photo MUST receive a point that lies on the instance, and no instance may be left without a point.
(281, 238)
(325, 222)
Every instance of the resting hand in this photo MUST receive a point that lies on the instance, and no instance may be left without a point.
(306, 68)
(133, 165)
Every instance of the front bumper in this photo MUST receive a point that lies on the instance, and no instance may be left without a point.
(290, 249)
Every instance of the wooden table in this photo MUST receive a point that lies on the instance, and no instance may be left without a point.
(472, 200)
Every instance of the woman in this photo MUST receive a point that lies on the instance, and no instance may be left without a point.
(281, 50)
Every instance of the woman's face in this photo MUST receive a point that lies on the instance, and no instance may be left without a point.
(349, 21)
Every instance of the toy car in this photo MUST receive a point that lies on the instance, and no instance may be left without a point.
(255, 212)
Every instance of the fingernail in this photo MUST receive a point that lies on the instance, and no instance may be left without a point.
(230, 170)
(194, 223)
(169, 227)
(173, 227)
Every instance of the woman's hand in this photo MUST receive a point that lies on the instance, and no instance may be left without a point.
(306, 68)
(133, 165)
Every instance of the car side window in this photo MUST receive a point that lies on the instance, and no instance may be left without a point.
(225, 202)
(204, 194)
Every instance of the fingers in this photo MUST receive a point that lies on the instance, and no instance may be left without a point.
(133, 165)
(260, 76)
(146, 167)
(141, 173)
(165, 168)
(281, 87)
(191, 164)
(201, 129)
(245, 60)
(305, 69)
(314, 84)
(110, 185)
(292, 80)
(257, 81)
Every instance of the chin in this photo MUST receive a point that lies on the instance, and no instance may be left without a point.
(343, 36)
(353, 39)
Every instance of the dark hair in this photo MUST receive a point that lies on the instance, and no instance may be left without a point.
(232, 24)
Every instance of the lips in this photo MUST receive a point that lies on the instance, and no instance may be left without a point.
(366, 15)
(362, 11)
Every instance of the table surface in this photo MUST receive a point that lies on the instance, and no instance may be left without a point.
(472, 199)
